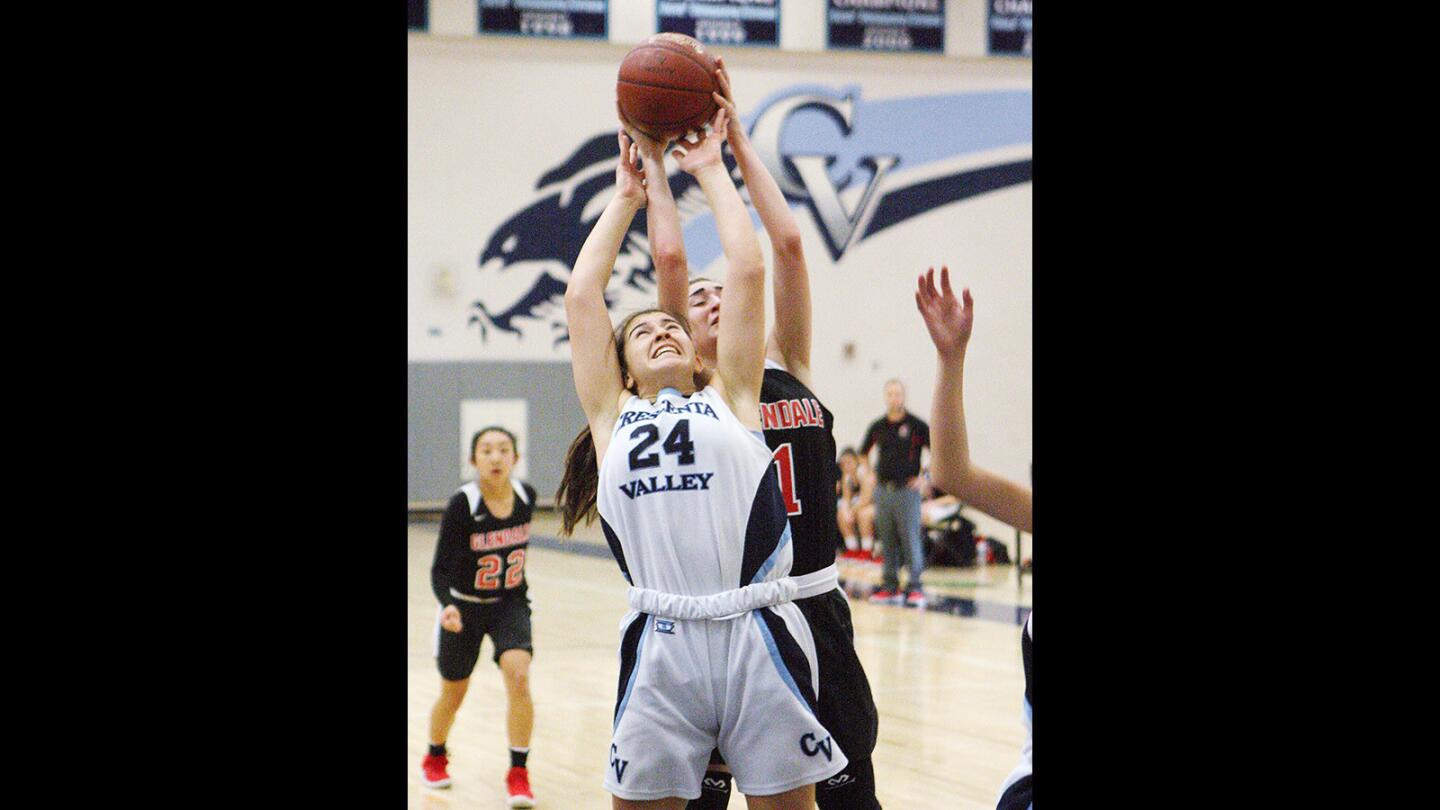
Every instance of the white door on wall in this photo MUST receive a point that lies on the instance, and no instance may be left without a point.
(510, 414)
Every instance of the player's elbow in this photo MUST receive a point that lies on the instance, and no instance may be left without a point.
(575, 301)
(575, 294)
(669, 258)
(950, 476)
(787, 243)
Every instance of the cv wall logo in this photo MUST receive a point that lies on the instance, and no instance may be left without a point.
(834, 154)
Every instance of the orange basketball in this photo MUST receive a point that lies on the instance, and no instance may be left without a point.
(665, 85)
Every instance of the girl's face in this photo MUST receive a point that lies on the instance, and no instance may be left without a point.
(494, 456)
(704, 313)
(847, 464)
(658, 351)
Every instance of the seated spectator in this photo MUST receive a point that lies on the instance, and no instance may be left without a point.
(855, 510)
(939, 509)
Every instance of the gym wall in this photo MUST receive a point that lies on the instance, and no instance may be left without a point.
(512, 150)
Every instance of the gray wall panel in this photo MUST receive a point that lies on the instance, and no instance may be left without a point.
(435, 393)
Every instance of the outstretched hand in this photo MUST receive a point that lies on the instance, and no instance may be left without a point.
(629, 177)
(649, 147)
(726, 100)
(948, 322)
(704, 152)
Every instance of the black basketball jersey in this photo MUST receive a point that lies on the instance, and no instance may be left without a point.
(479, 556)
(800, 433)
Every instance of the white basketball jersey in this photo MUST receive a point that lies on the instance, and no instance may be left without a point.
(689, 499)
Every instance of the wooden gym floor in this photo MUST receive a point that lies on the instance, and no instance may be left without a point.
(947, 682)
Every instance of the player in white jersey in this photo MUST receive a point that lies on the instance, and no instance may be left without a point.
(713, 653)
(799, 430)
(950, 324)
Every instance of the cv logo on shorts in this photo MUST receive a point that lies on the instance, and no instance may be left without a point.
(839, 781)
(618, 764)
(823, 745)
(665, 626)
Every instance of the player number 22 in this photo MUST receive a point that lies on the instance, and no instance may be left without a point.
(785, 465)
(488, 577)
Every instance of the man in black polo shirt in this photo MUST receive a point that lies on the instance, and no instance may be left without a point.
(901, 436)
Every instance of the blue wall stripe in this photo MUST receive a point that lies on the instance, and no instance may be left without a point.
(948, 605)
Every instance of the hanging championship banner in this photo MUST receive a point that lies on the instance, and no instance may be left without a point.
(887, 25)
(1010, 27)
(418, 17)
(722, 22)
(567, 19)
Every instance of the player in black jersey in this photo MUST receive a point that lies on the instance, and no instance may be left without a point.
(479, 577)
(799, 431)
(950, 324)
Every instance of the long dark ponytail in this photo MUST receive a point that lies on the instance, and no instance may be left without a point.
(578, 487)
(576, 495)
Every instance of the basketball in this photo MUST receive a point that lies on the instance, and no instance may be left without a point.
(665, 84)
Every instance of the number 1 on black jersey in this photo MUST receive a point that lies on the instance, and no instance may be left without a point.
(785, 465)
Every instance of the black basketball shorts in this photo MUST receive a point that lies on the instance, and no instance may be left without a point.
(846, 707)
(507, 622)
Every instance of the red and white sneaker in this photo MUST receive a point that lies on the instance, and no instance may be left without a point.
(435, 775)
(886, 597)
(916, 599)
(517, 783)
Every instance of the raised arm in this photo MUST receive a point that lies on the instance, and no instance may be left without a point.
(740, 346)
(662, 223)
(789, 342)
(592, 341)
(949, 325)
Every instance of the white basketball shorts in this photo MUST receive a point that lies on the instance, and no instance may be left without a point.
(745, 685)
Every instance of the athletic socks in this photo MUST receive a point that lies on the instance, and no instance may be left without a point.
(517, 755)
(714, 792)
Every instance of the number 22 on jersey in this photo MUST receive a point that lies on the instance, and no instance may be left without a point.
(488, 577)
